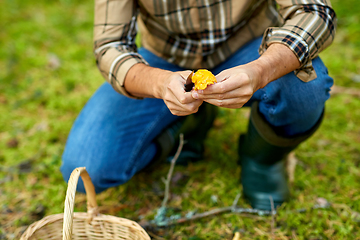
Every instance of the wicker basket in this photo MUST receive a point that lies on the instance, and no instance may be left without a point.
(81, 225)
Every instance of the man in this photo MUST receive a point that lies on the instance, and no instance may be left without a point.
(136, 117)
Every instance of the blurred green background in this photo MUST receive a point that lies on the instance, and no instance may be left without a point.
(48, 72)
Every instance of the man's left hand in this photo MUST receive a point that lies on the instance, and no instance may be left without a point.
(234, 88)
(236, 85)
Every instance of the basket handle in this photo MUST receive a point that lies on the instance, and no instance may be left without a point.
(70, 200)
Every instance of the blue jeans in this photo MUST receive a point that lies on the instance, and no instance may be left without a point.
(113, 137)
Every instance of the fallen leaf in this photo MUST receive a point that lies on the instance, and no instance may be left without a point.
(178, 178)
(218, 123)
(157, 189)
(143, 211)
(214, 198)
(3, 100)
(25, 166)
(237, 236)
(38, 212)
(355, 78)
(260, 232)
(53, 61)
(322, 203)
(112, 209)
(39, 127)
(12, 143)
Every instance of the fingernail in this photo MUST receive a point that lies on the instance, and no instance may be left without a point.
(195, 95)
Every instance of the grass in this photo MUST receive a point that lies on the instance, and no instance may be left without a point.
(47, 73)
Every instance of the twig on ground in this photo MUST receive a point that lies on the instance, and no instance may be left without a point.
(201, 215)
(171, 170)
(154, 236)
(294, 235)
(169, 221)
(160, 218)
(236, 200)
(291, 162)
(345, 90)
(162, 221)
(272, 217)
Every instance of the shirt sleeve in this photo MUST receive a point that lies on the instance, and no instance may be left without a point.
(309, 27)
(114, 40)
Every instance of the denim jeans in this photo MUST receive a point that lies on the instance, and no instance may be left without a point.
(113, 136)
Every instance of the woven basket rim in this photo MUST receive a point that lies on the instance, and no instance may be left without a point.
(87, 217)
(42, 223)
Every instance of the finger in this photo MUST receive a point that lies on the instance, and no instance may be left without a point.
(232, 94)
(177, 94)
(227, 83)
(184, 97)
(234, 102)
(222, 87)
(224, 75)
(179, 113)
(242, 92)
(189, 105)
(232, 106)
(185, 74)
(190, 108)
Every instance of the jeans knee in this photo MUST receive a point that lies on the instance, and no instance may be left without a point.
(96, 178)
(294, 105)
(69, 163)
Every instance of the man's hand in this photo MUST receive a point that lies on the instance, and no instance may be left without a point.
(234, 88)
(146, 81)
(178, 101)
(236, 85)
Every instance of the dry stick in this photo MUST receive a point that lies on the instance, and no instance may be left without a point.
(169, 176)
(236, 200)
(345, 90)
(216, 211)
(155, 236)
(272, 217)
(202, 215)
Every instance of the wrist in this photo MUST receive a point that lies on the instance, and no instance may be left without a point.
(145, 81)
(260, 70)
(162, 78)
(277, 61)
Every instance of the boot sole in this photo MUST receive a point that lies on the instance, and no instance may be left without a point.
(264, 203)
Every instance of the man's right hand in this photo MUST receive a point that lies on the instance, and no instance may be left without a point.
(145, 81)
(178, 101)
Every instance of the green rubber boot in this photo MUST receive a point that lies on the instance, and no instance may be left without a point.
(261, 154)
(195, 128)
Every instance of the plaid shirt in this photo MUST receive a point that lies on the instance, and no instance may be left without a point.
(203, 33)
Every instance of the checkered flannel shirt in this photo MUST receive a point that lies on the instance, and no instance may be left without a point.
(203, 33)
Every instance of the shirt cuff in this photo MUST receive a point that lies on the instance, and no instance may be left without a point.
(120, 67)
(114, 62)
(296, 44)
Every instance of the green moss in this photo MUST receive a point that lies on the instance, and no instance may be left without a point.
(40, 99)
